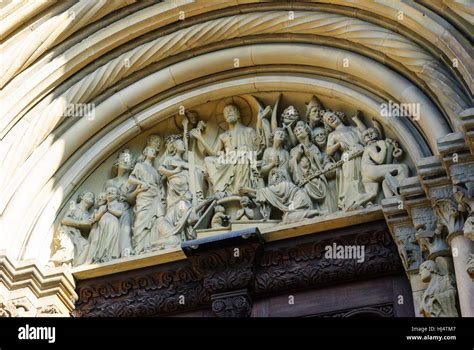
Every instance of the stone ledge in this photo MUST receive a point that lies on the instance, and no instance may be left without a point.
(126, 264)
(275, 233)
(323, 223)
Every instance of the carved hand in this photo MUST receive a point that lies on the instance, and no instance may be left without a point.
(196, 133)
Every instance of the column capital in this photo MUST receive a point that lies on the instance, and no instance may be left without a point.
(429, 234)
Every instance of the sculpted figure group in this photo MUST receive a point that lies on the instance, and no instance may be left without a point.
(287, 168)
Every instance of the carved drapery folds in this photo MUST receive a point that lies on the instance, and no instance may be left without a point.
(285, 166)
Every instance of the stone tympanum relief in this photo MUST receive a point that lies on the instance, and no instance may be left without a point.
(230, 168)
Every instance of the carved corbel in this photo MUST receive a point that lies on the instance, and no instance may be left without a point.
(232, 304)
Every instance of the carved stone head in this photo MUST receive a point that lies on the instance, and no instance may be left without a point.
(290, 115)
(428, 268)
(231, 114)
(331, 119)
(87, 198)
(313, 111)
(112, 193)
(279, 136)
(276, 177)
(175, 144)
(320, 136)
(193, 117)
(124, 159)
(244, 201)
(150, 152)
(370, 135)
(101, 199)
(302, 130)
(154, 140)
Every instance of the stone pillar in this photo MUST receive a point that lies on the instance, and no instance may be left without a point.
(458, 213)
(403, 234)
(29, 291)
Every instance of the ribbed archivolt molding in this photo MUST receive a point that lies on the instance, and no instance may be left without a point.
(147, 20)
(34, 41)
(462, 8)
(31, 85)
(14, 13)
(44, 118)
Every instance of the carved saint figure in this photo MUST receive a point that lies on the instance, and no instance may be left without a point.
(231, 162)
(175, 169)
(63, 248)
(314, 113)
(123, 166)
(179, 199)
(76, 223)
(346, 139)
(276, 157)
(439, 299)
(320, 137)
(305, 160)
(94, 236)
(148, 206)
(108, 227)
(245, 212)
(289, 117)
(291, 200)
